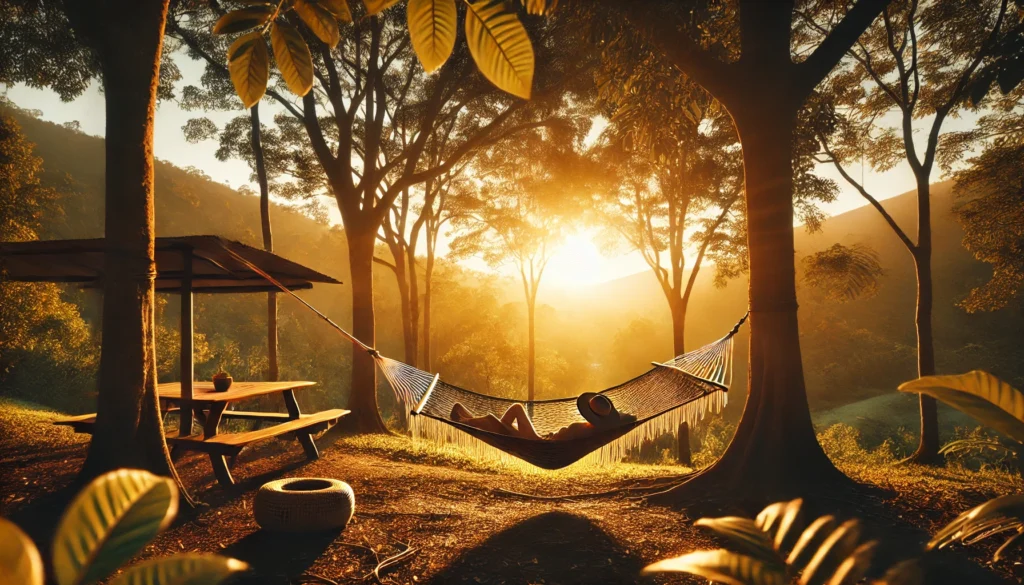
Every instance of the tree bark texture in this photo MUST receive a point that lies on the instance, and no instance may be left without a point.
(363, 399)
(928, 448)
(127, 37)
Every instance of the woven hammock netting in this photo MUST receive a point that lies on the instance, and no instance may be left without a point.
(682, 389)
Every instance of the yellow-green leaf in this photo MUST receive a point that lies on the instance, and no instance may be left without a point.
(20, 563)
(187, 569)
(500, 46)
(249, 65)
(996, 516)
(244, 19)
(320, 20)
(744, 534)
(339, 8)
(432, 29)
(377, 6)
(721, 566)
(831, 553)
(293, 58)
(984, 397)
(855, 566)
(109, 522)
(809, 541)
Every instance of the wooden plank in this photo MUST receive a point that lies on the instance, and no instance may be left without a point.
(232, 443)
(204, 392)
(259, 416)
(83, 423)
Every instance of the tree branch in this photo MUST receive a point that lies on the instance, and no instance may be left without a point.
(828, 54)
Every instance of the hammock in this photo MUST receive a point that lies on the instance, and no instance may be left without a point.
(686, 387)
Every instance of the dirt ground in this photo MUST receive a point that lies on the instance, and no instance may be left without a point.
(453, 511)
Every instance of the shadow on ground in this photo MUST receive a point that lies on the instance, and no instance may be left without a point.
(278, 557)
(553, 548)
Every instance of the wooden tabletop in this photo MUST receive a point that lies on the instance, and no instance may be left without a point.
(204, 392)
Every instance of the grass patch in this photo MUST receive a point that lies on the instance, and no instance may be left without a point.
(28, 427)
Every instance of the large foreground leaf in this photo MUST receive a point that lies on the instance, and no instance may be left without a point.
(745, 534)
(320, 19)
(986, 398)
(249, 65)
(722, 566)
(432, 30)
(1003, 514)
(19, 558)
(500, 46)
(244, 19)
(377, 6)
(293, 58)
(188, 569)
(109, 522)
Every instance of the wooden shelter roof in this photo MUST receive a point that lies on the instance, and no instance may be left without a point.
(214, 269)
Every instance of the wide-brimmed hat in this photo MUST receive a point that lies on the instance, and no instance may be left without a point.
(583, 403)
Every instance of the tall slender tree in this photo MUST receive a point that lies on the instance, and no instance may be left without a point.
(917, 63)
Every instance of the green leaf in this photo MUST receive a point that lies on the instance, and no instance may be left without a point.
(855, 566)
(320, 20)
(810, 540)
(378, 6)
(244, 19)
(721, 566)
(745, 534)
(249, 65)
(832, 552)
(109, 522)
(500, 46)
(19, 558)
(538, 7)
(187, 569)
(995, 516)
(432, 29)
(293, 58)
(986, 398)
(339, 8)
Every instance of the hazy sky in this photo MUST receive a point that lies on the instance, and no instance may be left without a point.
(578, 262)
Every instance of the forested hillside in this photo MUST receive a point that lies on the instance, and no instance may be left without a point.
(590, 338)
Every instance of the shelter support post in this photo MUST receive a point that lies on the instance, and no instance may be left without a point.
(187, 357)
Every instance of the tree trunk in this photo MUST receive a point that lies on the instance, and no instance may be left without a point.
(774, 452)
(365, 417)
(428, 280)
(679, 348)
(268, 239)
(404, 305)
(128, 433)
(413, 348)
(531, 350)
(927, 452)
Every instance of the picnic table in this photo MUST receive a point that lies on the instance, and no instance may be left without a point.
(210, 408)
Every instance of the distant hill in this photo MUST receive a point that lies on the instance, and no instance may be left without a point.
(851, 351)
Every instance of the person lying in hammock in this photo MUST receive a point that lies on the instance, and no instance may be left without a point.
(597, 409)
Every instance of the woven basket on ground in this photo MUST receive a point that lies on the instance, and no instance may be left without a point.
(304, 504)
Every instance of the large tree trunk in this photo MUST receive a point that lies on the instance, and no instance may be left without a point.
(365, 417)
(129, 433)
(678, 307)
(774, 452)
(268, 239)
(928, 449)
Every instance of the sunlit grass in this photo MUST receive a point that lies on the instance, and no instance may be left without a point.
(401, 448)
(26, 427)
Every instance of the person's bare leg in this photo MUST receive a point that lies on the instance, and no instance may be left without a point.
(517, 414)
(460, 413)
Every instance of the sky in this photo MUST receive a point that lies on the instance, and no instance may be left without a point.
(579, 262)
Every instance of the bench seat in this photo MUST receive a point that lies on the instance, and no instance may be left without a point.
(231, 444)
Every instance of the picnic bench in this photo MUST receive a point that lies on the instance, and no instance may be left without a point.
(186, 265)
(210, 408)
